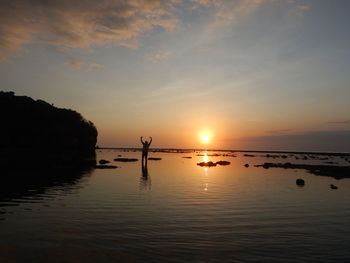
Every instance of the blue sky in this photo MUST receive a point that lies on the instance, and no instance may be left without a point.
(241, 70)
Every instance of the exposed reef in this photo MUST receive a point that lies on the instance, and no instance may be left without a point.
(154, 158)
(104, 166)
(126, 159)
(212, 164)
(300, 182)
(207, 164)
(338, 172)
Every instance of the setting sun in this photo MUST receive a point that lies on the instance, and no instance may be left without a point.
(205, 137)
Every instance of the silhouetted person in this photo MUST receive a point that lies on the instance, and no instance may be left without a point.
(145, 149)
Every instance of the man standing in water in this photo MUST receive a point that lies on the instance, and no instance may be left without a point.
(145, 148)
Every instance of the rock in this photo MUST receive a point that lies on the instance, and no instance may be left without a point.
(300, 182)
(223, 163)
(246, 165)
(187, 157)
(106, 166)
(126, 159)
(207, 164)
(333, 186)
(154, 158)
(103, 161)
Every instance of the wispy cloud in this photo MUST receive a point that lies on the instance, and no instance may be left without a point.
(339, 122)
(84, 65)
(226, 12)
(69, 24)
(160, 56)
(81, 23)
(279, 132)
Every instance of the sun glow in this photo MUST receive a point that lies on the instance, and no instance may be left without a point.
(205, 137)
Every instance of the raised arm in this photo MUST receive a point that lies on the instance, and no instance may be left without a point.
(141, 140)
(150, 141)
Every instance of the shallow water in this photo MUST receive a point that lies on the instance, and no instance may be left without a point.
(177, 211)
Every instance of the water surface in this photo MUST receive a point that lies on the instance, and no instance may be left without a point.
(176, 211)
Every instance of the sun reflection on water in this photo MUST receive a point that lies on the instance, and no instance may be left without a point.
(206, 173)
(205, 157)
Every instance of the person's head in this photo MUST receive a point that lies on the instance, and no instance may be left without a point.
(146, 142)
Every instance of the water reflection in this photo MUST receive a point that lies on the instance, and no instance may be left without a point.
(145, 180)
(205, 157)
(16, 188)
(206, 172)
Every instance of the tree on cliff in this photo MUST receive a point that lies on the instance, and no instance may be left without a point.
(38, 125)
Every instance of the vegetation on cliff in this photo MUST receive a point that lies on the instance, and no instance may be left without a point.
(34, 126)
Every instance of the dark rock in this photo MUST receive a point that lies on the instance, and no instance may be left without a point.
(223, 163)
(106, 166)
(337, 172)
(207, 164)
(187, 157)
(249, 155)
(154, 158)
(300, 182)
(103, 161)
(332, 186)
(246, 165)
(126, 159)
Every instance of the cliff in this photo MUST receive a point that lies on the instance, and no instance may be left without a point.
(36, 129)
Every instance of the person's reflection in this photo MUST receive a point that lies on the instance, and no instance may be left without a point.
(145, 180)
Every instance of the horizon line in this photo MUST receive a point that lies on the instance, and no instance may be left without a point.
(228, 150)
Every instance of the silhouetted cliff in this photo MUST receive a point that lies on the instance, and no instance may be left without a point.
(29, 126)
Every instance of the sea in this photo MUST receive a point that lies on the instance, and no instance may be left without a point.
(174, 210)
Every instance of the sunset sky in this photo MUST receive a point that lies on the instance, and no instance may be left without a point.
(251, 74)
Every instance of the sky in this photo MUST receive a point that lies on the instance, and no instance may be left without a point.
(248, 74)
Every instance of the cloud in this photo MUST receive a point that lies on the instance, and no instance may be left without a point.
(279, 132)
(340, 122)
(160, 56)
(226, 12)
(71, 24)
(85, 65)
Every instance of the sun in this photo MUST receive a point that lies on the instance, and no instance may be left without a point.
(205, 137)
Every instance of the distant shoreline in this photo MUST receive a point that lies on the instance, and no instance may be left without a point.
(184, 150)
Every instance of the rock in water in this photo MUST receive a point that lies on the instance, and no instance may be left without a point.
(106, 166)
(207, 164)
(223, 163)
(126, 159)
(104, 161)
(300, 182)
(333, 186)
